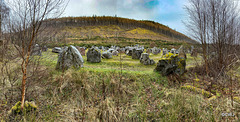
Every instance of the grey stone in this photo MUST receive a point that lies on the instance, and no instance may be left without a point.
(122, 50)
(129, 52)
(144, 59)
(44, 48)
(111, 50)
(165, 51)
(57, 50)
(107, 55)
(136, 53)
(171, 65)
(94, 55)
(81, 50)
(156, 50)
(149, 50)
(69, 56)
(115, 53)
(36, 50)
(181, 52)
(173, 51)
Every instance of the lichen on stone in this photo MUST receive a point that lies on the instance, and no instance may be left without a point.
(171, 63)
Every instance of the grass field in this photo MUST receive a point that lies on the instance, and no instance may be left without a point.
(101, 92)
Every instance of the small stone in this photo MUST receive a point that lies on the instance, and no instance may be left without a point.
(155, 50)
(57, 50)
(107, 55)
(144, 59)
(115, 53)
(36, 50)
(44, 48)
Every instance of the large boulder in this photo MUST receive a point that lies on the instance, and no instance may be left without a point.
(144, 59)
(36, 50)
(136, 53)
(170, 64)
(94, 55)
(69, 56)
(57, 50)
(107, 55)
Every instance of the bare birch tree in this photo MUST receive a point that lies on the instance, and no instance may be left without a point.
(27, 17)
(215, 23)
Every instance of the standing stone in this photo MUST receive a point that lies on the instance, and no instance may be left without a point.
(36, 50)
(194, 52)
(107, 55)
(122, 50)
(110, 50)
(94, 55)
(144, 59)
(192, 48)
(136, 53)
(173, 51)
(170, 64)
(44, 48)
(182, 52)
(57, 50)
(81, 50)
(115, 53)
(149, 50)
(165, 51)
(129, 52)
(156, 51)
(69, 56)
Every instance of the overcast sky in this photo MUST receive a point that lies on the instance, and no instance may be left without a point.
(167, 12)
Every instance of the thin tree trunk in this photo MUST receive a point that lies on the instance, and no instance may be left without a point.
(25, 69)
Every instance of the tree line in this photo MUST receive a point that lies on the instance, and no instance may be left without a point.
(122, 22)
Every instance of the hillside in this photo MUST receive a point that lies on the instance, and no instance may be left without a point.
(95, 30)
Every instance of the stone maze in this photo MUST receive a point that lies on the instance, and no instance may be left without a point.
(170, 61)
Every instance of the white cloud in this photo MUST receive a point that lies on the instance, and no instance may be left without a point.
(166, 12)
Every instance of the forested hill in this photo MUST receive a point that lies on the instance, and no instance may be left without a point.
(125, 23)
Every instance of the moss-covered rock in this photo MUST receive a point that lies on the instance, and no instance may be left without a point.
(171, 63)
(28, 107)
